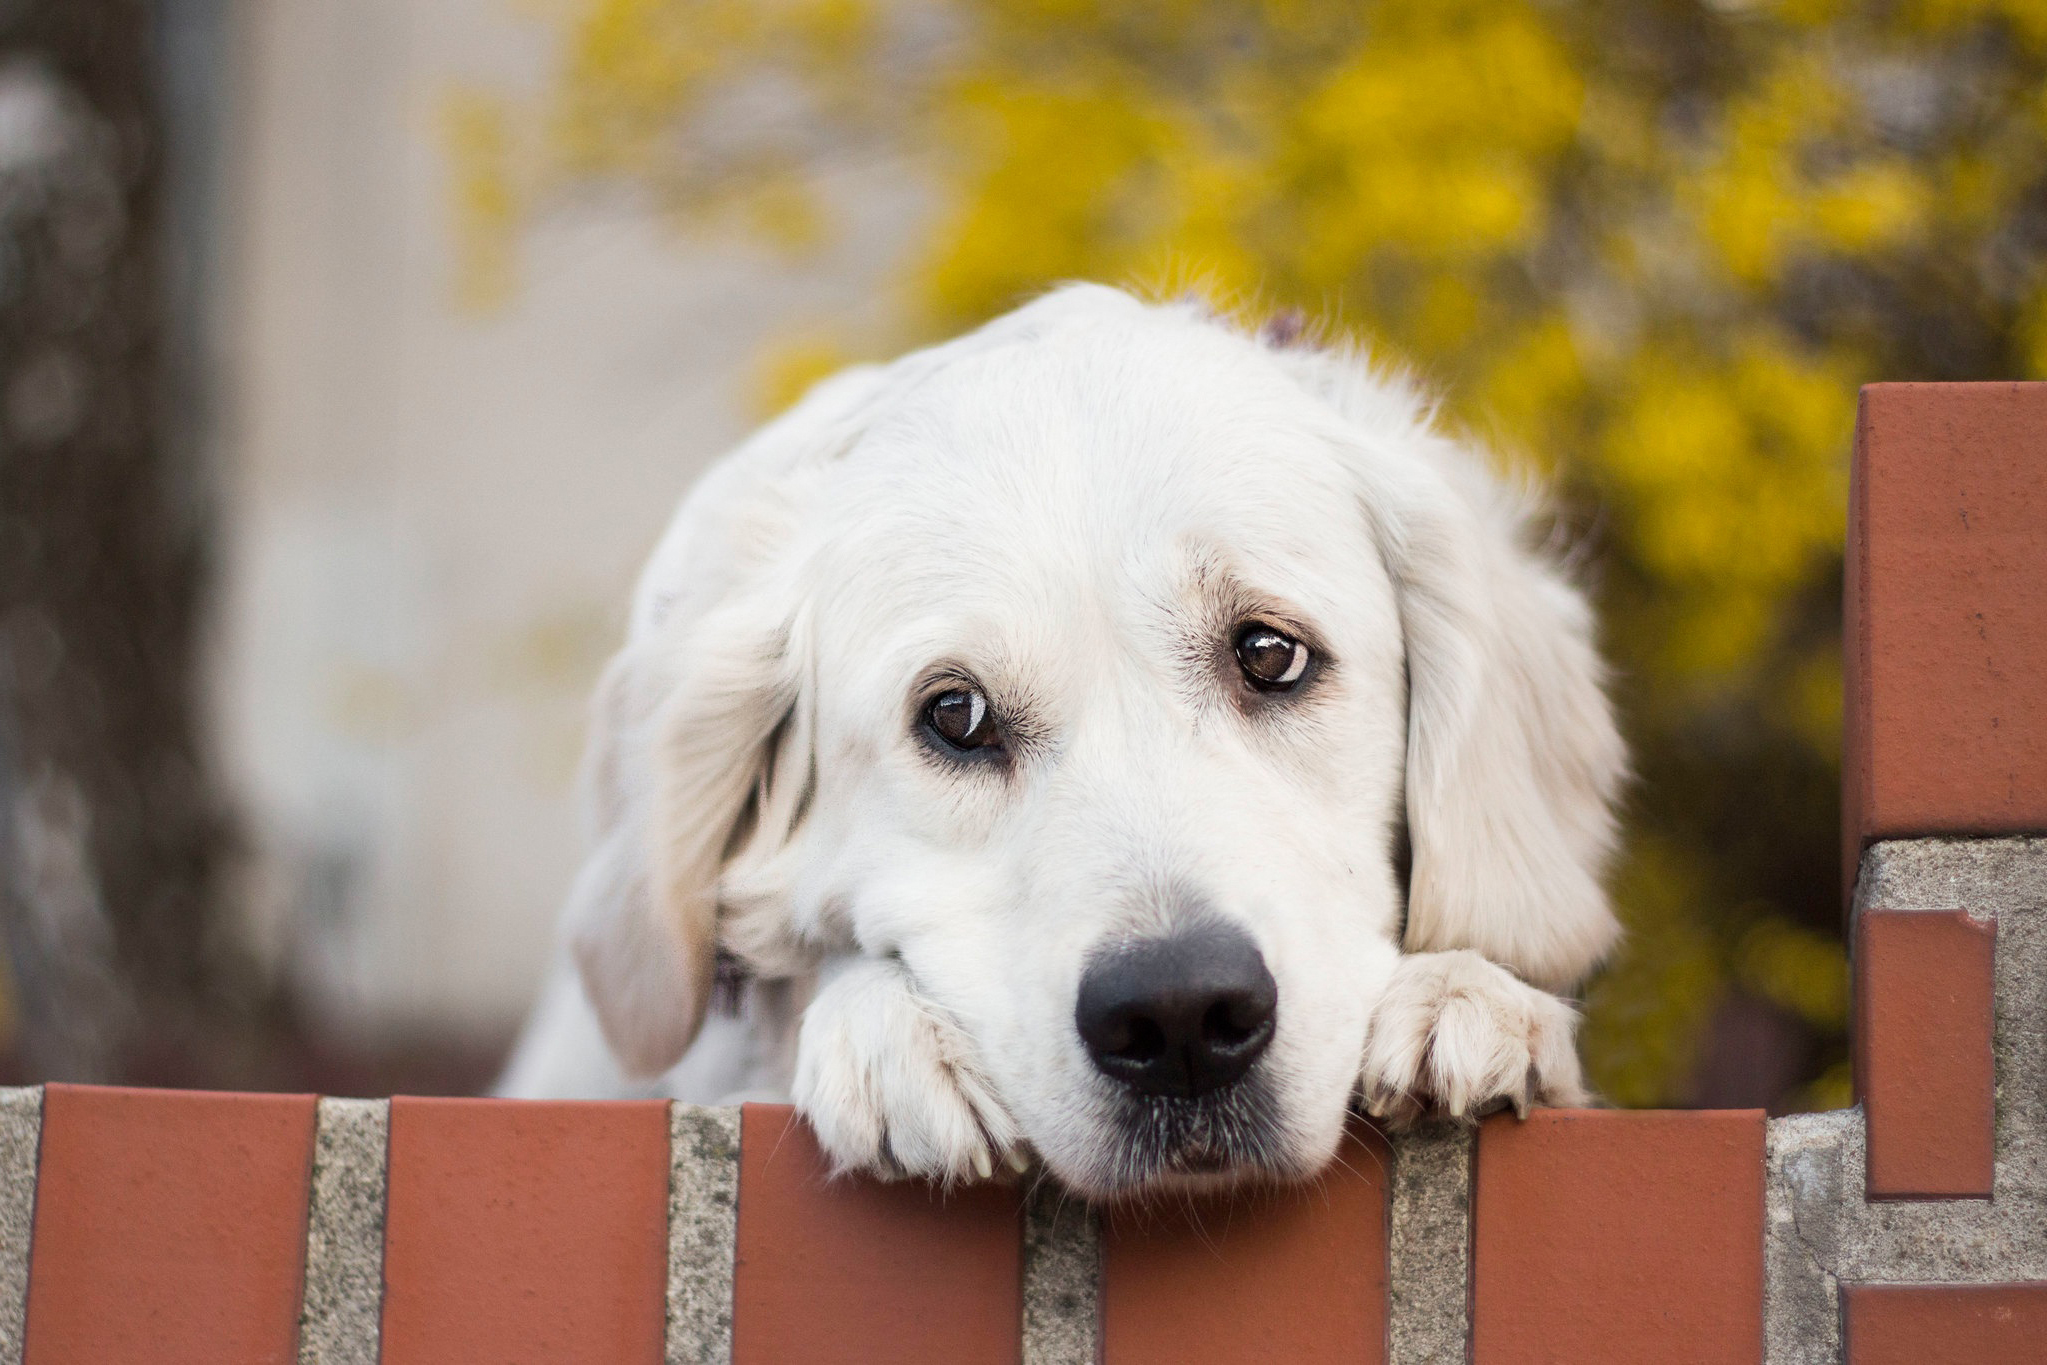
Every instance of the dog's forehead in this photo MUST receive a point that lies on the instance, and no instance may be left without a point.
(1135, 380)
(1114, 483)
(1137, 429)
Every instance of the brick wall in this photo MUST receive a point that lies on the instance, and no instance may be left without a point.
(174, 1227)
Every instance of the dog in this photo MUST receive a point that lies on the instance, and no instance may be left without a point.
(1114, 742)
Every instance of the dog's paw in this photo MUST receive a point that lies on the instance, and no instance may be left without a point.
(887, 1083)
(1459, 1033)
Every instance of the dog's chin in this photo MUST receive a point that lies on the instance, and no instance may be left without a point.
(1206, 1145)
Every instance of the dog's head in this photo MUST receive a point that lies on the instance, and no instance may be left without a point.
(1103, 667)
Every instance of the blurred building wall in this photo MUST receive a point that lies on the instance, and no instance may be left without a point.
(435, 514)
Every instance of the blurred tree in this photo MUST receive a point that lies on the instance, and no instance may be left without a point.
(120, 954)
(1649, 247)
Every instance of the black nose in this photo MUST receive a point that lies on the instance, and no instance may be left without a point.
(1182, 1015)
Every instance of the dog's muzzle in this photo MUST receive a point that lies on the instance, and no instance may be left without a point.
(1181, 1016)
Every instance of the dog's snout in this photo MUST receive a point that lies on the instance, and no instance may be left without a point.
(1178, 1016)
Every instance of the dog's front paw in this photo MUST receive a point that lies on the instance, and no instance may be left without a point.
(1461, 1033)
(888, 1085)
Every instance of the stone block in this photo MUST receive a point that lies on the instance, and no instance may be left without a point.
(1605, 1236)
(169, 1226)
(1297, 1275)
(526, 1231)
(1924, 1018)
(1945, 639)
(834, 1272)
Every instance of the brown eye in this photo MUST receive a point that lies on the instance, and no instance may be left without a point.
(1272, 662)
(962, 719)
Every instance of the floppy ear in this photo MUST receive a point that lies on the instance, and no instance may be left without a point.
(682, 757)
(700, 750)
(647, 981)
(1513, 759)
(701, 753)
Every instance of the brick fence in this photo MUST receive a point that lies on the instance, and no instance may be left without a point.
(174, 1227)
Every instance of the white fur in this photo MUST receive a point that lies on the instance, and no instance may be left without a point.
(1077, 505)
(1465, 1032)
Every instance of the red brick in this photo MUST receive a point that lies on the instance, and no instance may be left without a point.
(518, 1231)
(1607, 1236)
(1297, 1275)
(852, 1270)
(1924, 1020)
(1946, 631)
(170, 1226)
(1994, 1324)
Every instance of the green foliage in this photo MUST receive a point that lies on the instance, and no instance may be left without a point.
(1650, 248)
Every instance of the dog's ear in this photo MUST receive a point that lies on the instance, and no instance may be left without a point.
(700, 747)
(1513, 758)
(686, 757)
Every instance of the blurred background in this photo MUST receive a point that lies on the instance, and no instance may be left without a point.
(354, 352)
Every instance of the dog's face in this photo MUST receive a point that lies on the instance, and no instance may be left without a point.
(1081, 696)
(1103, 659)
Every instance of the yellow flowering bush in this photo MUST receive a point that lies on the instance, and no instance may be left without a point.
(1648, 248)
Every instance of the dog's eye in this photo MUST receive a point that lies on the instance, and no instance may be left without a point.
(962, 719)
(1272, 661)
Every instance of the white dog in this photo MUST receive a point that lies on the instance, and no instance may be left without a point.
(1108, 736)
